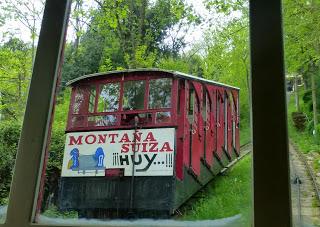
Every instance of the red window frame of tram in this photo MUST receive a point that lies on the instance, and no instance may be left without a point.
(119, 113)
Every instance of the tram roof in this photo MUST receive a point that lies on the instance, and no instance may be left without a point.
(174, 73)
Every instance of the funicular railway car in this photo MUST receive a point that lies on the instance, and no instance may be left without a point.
(144, 141)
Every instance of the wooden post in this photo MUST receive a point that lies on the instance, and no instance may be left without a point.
(296, 92)
(272, 204)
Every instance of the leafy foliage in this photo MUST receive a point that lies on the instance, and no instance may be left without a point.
(9, 136)
(128, 34)
(15, 64)
(191, 64)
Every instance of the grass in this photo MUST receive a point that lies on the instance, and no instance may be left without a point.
(226, 196)
(53, 212)
(245, 134)
(304, 140)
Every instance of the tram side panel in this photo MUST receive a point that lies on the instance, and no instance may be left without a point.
(204, 174)
(235, 94)
(98, 170)
(216, 164)
(209, 142)
(190, 142)
(222, 155)
(230, 107)
(193, 179)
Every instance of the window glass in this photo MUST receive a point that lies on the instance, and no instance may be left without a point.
(191, 101)
(92, 98)
(83, 175)
(78, 121)
(133, 95)
(109, 97)
(163, 117)
(204, 106)
(191, 105)
(160, 93)
(180, 92)
(78, 100)
(218, 109)
(107, 120)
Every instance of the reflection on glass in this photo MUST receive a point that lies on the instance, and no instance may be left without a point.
(78, 100)
(109, 97)
(92, 98)
(129, 119)
(3, 213)
(107, 120)
(160, 93)
(133, 95)
(163, 117)
(191, 101)
(78, 121)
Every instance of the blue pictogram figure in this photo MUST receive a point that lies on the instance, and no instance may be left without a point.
(74, 153)
(99, 156)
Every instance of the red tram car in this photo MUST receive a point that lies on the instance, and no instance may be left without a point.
(144, 141)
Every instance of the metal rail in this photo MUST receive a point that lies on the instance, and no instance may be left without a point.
(310, 173)
(242, 155)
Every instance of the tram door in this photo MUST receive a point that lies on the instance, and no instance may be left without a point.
(208, 129)
(195, 134)
(220, 122)
(233, 112)
(226, 122)
(230, 124)
(235, 123)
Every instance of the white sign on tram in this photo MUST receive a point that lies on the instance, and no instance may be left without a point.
(89, 154)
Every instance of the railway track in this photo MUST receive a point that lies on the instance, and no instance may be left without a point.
(304, 191)
(244, 150)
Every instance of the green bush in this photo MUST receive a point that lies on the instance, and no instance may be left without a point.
(53, 212)
(9, 137)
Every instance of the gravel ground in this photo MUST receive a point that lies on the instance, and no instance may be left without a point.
(305, 204)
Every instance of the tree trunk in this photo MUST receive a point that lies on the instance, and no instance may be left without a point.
(77, 8)
(132, 27)
(314, 104)
(296, 92)
(143, 6)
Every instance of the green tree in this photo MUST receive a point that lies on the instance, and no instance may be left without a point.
(28, 14)
(9, 136)
(141, 27)
(227, 59)
(302, 45)
(15, 65)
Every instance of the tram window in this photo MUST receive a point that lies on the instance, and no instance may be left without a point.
(204, 106)
(92, 98)
(191, 101)
(107, 120)
(180, 90)
(160, 93)
(218, 110)
(163, 117)
(133, 95)
(78, 121)
(78, 100)
(109, 97)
